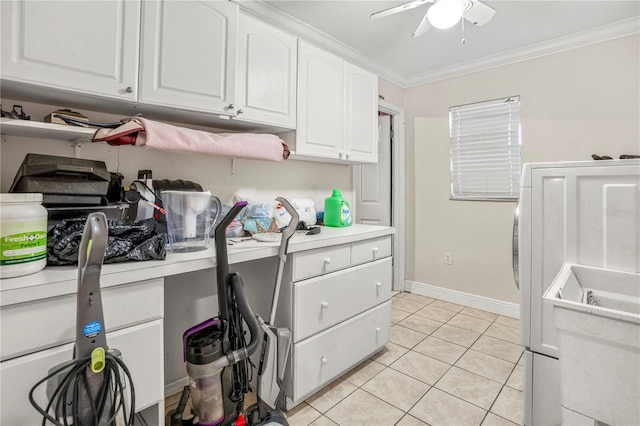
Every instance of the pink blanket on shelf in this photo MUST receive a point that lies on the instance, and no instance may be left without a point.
(154, 134)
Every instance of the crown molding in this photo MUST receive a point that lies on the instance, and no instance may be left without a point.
(596, 35)
(270, 14)
(274, 16)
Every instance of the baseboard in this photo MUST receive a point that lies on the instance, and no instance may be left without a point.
(175, 387)
(461, 298)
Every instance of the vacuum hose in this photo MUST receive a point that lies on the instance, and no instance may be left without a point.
(250, 318)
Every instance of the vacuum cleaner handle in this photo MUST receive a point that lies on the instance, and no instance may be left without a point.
(222, 261)
(90, 328)
(282, 255)
(290, 229)
(93, 243)
(251, 319)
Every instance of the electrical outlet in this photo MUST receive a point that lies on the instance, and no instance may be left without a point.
(447, 258)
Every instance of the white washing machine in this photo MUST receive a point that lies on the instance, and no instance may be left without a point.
(585, 212)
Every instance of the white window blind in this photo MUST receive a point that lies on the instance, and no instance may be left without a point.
(485, 150)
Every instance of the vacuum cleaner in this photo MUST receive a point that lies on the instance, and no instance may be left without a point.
(95, 388)
(217, 354)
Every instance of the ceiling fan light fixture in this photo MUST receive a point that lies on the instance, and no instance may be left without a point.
(445, 14)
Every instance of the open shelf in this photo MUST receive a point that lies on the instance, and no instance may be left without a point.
(34, 129)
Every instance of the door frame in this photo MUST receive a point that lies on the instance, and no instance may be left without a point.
(397, 191)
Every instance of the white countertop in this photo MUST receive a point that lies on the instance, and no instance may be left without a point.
(58, 280)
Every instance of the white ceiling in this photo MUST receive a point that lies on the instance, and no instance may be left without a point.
(520, 29)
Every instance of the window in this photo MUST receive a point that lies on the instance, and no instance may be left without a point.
(485, 150)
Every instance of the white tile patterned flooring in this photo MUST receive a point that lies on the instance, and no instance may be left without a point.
(445, 364)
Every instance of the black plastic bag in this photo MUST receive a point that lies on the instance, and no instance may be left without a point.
(127, 241)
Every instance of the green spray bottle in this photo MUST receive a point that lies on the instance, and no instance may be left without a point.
(336, 210)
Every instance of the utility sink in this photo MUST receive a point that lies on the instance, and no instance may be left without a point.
(597, 314)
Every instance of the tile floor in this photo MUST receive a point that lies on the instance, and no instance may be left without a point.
(445, 364)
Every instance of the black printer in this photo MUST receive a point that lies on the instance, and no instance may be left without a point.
(63, 181)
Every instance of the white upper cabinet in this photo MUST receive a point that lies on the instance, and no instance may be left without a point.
(188, 55)
(320, 100)
(82, 46)
(337, 108)
(360, 115)
(266, 86)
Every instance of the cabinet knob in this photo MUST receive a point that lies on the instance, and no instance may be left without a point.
(324, 360)
(231, 106)
(378, 329)
(378, 284)
(129, 89)
(340, 154)
(324, 304)
(327, 260)
(347, 155)
(375, 250)
(240, 111)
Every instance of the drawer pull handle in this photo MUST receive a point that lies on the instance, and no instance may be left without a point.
(324, 360)
(378, 329)
(324, 304)
(327, 260)
(379, 284)
(375, 251)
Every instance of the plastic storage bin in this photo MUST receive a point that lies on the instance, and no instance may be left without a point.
(597, 314)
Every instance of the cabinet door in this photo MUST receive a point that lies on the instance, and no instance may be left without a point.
(267, 61)
(325, 356)
(189, 54)
(360, 115)
(322, 302)
(123, 305)
(309, 263)
(82, 46)
(320, 103)
(142, 351)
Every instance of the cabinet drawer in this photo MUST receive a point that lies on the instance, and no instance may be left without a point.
(370, 250)
(311, 263)
(322, 302)
(327, 355)
(32, 326)
(141, 348)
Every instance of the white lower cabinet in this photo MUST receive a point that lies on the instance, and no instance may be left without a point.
(316, 262)
(146, 368)
(370, 250)
(340, 312)
(322, 302)
(325, 356)
(123, 306)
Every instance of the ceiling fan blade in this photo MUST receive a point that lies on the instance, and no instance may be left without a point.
(398, 9)
(422, 27)
(478, 13)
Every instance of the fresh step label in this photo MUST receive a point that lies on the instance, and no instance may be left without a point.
(23, 247)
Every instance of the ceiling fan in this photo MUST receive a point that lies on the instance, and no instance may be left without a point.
(443, 14)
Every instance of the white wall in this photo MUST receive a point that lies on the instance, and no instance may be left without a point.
(576, 103)
(253, 179)
(390, 92)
